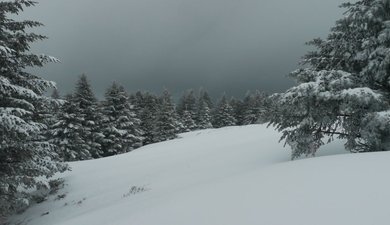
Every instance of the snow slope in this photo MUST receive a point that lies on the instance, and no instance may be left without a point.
(229, 176)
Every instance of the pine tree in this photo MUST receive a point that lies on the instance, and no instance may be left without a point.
(344, 87)
(237, 106)
(188, 123)
(166, 124)
(120, 125)
(25, 156)
(147, 106)
(188, 102)
(68, 133)
(254, 108)
(224, 114)
(204, 115)
(90, 111)
(78, 131)
(205, 97)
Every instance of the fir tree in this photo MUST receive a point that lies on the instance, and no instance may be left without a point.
(68, 133)
(90, 111)
(188, 123)
(204, 115)
(224, 114)
(146, 106)
(166, 124)
(344, 87)
(25, 156)
(120, 125)
(188, 102)
(78, 131)
(237, 106)
(205, 97)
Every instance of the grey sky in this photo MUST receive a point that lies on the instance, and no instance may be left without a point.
(221, 45)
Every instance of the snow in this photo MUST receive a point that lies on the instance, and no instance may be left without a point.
(227, 176)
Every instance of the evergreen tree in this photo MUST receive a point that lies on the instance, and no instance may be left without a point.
(78, 131)
(146, 106)
(25, 156)
(68, 133)
(237, 106)
(204, 116)
(166, 124)
(188, 102)
(254, 108)
(205, 97)
(120, 125)
(224, 114)
(188, 123)
(248, 114)
(344, 87)
(90, 111)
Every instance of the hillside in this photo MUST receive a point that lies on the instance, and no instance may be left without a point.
(229, 176)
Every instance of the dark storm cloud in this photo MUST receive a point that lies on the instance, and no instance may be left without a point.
(221, 45)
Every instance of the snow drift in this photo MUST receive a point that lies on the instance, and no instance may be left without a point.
(229, 176)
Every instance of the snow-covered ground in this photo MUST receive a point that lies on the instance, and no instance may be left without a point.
(229, 176)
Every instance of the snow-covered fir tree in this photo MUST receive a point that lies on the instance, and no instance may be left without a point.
(68, 133)
(204, 115)
(89, 109)
(344, 87)
(78, 131)
(188, 102)
(253, 108)
(188, 123)
(237, 106)
(25, 156)
(205, 97)
(146, 106)
(167, 124)
(119, 125)
(224, 114)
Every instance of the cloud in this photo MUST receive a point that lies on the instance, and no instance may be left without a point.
(222, 45)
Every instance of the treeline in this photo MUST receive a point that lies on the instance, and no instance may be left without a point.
(85, 128)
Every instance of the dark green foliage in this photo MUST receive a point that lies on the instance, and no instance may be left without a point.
(224, 114)
(78, 129)
(120, 125)
(25, 155)
(343, 90)
(167, 124)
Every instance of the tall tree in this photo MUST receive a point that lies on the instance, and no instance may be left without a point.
(167, 124)
(120, 125)
(188, 102)
(68, 132)
(224, 114)
(78, 131)
(146, 106)
(89, 110)
(25, 156)
(204, 115)
(344, 87)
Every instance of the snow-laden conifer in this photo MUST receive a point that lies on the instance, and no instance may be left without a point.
(224, 114)
(120, 125)
(146, 106)
(188, 103)
(25, 155)
(167, 124)
(343, 89)
(78, 129)
(204, 115)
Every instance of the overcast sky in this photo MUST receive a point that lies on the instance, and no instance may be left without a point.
(221, 45)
